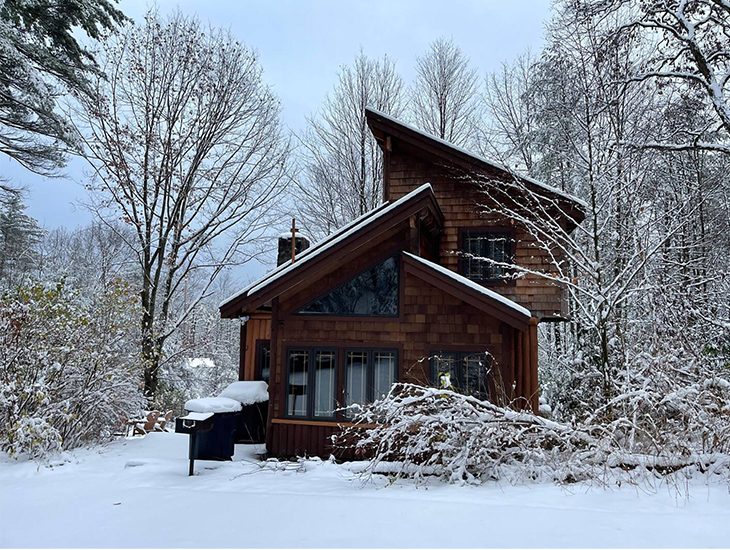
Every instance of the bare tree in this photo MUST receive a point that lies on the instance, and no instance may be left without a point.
(512, 112)
(343, 177)
(646, 271)
(690, 49)
(187, 148)
(445, 93)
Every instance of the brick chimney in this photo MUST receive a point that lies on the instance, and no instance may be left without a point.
(301, 244)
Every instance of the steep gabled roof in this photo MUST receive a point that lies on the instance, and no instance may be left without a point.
(382, 124)
(314, 259)
(468, 291)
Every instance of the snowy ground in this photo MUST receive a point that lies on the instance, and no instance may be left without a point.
(136, 493)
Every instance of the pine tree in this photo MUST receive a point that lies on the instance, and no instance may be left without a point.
(19, 239)
(39, 60)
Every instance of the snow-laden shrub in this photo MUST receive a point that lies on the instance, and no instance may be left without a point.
(421, 432)
(429, 431)
(69, 373)
(33, 436)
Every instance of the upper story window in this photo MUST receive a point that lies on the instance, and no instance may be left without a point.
(374, 292)
(482, 246)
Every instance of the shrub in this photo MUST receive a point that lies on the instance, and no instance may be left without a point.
(423, 432)
(69, 372)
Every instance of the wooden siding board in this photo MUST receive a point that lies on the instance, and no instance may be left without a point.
(256, 329)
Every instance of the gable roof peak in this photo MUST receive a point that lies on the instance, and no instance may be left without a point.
(419, 198)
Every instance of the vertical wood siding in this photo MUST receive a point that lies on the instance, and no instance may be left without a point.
(257, 328)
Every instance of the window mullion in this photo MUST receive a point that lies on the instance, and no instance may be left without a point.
(369, 377)
(311, 390)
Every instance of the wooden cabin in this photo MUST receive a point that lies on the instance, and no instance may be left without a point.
(388, 298)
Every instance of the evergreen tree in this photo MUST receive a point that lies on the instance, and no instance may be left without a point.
(19, 239)
(39, 60)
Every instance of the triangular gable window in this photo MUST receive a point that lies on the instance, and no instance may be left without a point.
(374, 292)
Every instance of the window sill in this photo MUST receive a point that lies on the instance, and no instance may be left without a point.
(323, 423)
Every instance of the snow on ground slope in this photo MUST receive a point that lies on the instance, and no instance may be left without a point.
(136, 493)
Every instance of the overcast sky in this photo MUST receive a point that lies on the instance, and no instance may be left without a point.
(303, 43)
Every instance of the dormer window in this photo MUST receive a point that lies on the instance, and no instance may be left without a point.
(481, 249)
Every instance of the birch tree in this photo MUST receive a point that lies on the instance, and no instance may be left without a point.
(188, 149)
(343, 169)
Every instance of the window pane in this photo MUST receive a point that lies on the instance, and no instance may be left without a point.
(296, 403)
(265, 362)
(473, 265)
(495, 246)
(356, 372)
(383, 373)
(476, 374)
(372, 292)
(444, 364)
(324, 383)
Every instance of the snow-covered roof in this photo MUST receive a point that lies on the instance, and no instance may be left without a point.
(471, 284)
(327, 243)
(479, 158)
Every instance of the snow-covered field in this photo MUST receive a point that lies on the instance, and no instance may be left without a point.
(136, 493)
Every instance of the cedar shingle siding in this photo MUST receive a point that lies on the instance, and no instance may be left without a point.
(458, 200)
(437, 311)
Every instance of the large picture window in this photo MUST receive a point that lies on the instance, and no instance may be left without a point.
(467, 372)
(311, 383)
(374, 292)
(479, 248)
(369, 375)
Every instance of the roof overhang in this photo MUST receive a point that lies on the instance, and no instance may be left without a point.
(320, 256)
(468, 291)
(383, 125)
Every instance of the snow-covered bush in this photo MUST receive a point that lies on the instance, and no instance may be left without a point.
(427, 431)
(69, 373)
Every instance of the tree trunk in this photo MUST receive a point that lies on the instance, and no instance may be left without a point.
(151, 356)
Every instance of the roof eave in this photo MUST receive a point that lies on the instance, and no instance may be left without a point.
(371, 227)
(382, 124)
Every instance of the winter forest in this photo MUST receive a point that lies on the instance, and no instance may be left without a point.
(191, 173)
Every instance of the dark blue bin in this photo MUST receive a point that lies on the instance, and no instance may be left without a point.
(218, 442)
